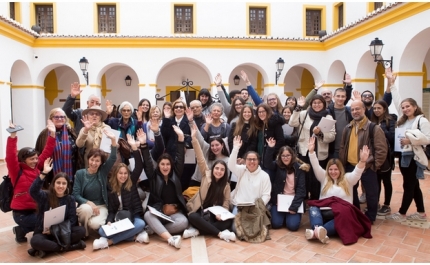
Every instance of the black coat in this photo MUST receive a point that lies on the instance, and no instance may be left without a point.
(248, 144)
(278, 182)
(130, 199)
(169, 136)
(273, 130)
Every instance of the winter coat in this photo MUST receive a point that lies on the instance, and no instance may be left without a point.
(252, 222)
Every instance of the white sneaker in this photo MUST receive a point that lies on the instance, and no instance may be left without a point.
(100, 243)
(149, 230)
(175, 241)
(142, 237)
(321, 234)
(228, 236)
(309, 234)
(190, 232)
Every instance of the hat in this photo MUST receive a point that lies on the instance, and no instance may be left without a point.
(98, 109)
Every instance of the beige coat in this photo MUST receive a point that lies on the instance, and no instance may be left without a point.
(195, 202)
(90, 140)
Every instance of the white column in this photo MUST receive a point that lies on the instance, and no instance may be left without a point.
(278, 90)
(5, 116)
(148, 91)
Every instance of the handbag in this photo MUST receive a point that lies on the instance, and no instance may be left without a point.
(124, 148)
(61, 232)
(169, 209)
(296, 147)
(205, 215)
(122, 214)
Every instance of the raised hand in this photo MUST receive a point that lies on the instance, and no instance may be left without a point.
(244, 76)
(218, 79)
(139, 114)
(179, 132)
(319, 84)
(311, 144)
(301, 101)
(390, 76)
(189, 113)
(237, 142)
(356, 95)
(75, 89)
(109, 134)
(271, 142)
(47, 165)
(194, 131)
(87, 123)
(154, 125)
(167, 112)
(50, 126)
(347, 79)
(133, 143)
(364, 153)
(208, 119)
(109, 106)
(141, 136)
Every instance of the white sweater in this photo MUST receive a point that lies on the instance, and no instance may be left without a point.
(250, 185)
(352, 178)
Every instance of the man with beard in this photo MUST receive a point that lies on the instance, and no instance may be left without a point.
(354, 137)
(368, 98)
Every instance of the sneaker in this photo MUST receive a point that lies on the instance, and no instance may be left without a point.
(384, 210)
(32, 252)
(142, 237)
(41, 253)
(309, 234)
(175, 241)
(362, 198)
(149, 230)
(190, 232)
(417, 217)
(228, 236)
(100, 243)
(396, 217)
(19, 234)
(321, 234)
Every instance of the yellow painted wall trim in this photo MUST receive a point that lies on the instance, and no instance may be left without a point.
(27, 87)
(8, 83)
(336, 14)
(16, 34)
(332, 85)
(269, 85)
(268, 18)
(281, 84)
(83, 85)
(95, 85)
(410, 73)
(323, 18)
(18, 16)
(363, 80)
(141, 85)
(158, 89)
(153, 85)
(172, 18)
(2, 82)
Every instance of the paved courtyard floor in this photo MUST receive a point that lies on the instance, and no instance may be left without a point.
(391, 242)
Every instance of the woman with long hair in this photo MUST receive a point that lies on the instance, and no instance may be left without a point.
(387, 122)
(90, 188)
(124, 196)
(23, 169)
(290, 179)
(237, 105)
(336, 183)
(245, 127)
(290, 133)
(291, 101)
(214, 190)
(412, 159)
(165, 188)
(154, 116)
(307, 122)
(142, 114)
(205, 98)
(66, 157)
(58, 194)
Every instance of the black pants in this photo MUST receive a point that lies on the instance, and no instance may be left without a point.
(411, 188)
(313, 186)
(48, 243)
(213, 227)
(385, 178)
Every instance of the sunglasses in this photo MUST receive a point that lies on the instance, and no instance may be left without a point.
(179, 107)
(367, 96)
(59, 117)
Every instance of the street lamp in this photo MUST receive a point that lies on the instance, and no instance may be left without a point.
(83, 63)
(128, 80)
(376, 46)
(236, 80)
(279, 68)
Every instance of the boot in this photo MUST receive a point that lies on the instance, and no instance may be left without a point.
(19, 234)
(80, 245)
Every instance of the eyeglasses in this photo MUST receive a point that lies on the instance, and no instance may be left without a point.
(238, 104)
(271, 99)
(59, 117)
(93, 113)
(261, 112)
(251, 159)
(126, 110)
(285, 156)
(194, 107)
(367, 96)
(179, 107)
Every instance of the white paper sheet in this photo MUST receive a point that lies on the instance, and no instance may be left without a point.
(326, 125)
(54, 216)
(190, 156)
(399, 134)
(106, 142)
(118, 227)
(219, 210)
(284, 203)
(160, 214)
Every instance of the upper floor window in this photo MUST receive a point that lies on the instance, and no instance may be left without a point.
(340, 16)
(45, 18)
(183, 19)
(257, 21)
(12, 10)
(313, 22)
(377, 5)
(107, 18)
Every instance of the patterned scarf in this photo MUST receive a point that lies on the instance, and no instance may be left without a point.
(97, 132)
(63, 154)
(129, 128)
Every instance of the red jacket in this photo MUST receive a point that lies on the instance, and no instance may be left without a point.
(21, 197)
(350, 223)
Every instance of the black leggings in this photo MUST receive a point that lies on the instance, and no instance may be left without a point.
(411, 188)
(385, 178)
(48, 243)
(213, 227)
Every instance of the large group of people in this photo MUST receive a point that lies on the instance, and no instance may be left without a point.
(252, 157)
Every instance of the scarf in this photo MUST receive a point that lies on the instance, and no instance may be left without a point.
(129, 128)
(63, 154)
(316, 117)
(97, 132)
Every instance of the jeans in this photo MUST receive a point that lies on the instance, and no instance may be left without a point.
(25, 220)
(292, 221)
(316, 219)
(127, 235)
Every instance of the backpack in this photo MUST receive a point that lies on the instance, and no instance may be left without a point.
(387, 165)
(6, 192)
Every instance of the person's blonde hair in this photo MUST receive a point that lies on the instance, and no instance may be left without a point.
(114, 183)
(52, 114)
(278, 102)
(342, 182)
(151, 111)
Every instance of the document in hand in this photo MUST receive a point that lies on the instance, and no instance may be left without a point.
(225, 214)
(54, 216)
(284, 203)
(118, 227)
(160, 214)
(326, 125)
(190, 156)
(245, 204)
(106, 142)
